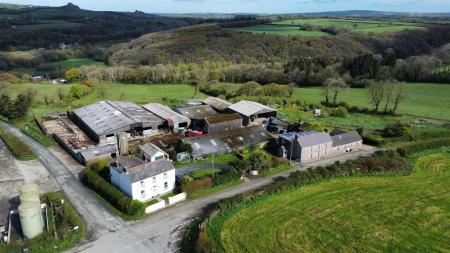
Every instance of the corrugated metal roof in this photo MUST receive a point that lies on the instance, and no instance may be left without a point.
(346, 138)
(106, 116)
(225, 142)
(197, 112)
(216, 103)
(166, 113)
(249, 108)
(223, 118)
(151, 149)
(98, 151)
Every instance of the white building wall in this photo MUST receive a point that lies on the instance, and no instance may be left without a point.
(344, 148)
(121, 181)
(153, 187)
(153, 158)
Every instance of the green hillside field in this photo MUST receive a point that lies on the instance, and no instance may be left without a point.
(360, 214)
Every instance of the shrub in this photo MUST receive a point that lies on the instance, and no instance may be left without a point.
(373, 140)
(79, 91)
(397, 129)
(17, 147)
(417, 147)
(111, 194)
(228, 176)
(340, 112)
(197, 185)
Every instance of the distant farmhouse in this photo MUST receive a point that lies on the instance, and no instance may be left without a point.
(142, 180)
(105, 120)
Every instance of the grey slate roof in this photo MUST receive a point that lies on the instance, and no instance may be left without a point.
(221, 143)
(345, 138)
(166, 113)
(197, 112)
(150, 169)
(216, 103)
(308, 139)
(106, 116)
(249, 108)
(151, 149)
(138, 170)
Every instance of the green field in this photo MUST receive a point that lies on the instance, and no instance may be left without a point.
(292, 26)
(361, 25)
(425, 99)
(76, 63)
(50, 25)
(204, 172)
(359, 214)
(279, 30)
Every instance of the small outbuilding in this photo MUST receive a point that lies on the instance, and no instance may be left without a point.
(153, 153)
(250, 111)
(347, 142)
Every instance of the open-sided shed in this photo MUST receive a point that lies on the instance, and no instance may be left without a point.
(250, 111)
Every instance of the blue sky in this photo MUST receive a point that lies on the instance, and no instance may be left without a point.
(253, 6)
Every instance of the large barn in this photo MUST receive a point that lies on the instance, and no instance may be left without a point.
(218, 104)
(250, 111)
(174, 119)
(105, 120)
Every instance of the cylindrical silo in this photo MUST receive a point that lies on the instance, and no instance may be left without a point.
(30, 219)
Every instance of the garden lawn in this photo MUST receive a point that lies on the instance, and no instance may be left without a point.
(204, 172)
(359, 214)
(427, 100)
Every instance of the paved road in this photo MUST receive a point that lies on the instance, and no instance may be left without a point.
(160, 232)
(99, 220)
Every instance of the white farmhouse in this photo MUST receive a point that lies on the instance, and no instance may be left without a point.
(306, 146)
(142, 180)
(152, 152)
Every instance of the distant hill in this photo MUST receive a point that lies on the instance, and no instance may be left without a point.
(369, 13)
(28, 27)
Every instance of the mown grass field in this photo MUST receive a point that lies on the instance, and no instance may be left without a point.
(50, 25)
(427, 100)
(360, 214)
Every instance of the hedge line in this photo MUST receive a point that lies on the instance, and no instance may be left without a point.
(382, 162)
(17, 147)
(110, 193)
(417, 147)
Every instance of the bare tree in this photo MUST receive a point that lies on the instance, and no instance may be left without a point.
(400, 94)
(388, 89)
(334, 87)
(376, 93)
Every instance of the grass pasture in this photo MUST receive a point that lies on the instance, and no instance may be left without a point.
(360, 214)
(279, 30)
(360, 25)
(292, 26)
(76, 63)
(50, 25)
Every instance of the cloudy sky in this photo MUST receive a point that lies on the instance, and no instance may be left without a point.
(250, 6)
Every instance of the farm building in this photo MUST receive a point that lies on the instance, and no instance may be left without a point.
(174, 119)
(306, 146)
(141, 180)
(218, 104)
(104, 120)
(197, 115)
(226, 142)
(152, 152)
(222, 122)
(346, 142)
(91, 155)
(251, 111)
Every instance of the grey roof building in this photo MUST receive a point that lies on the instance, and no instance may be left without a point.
(138, 170)
(102, 152)
(225, 142)
(150, 150)
(197, 112)
(251, 110)
(104, 120)
(346, 139)
(173, 118)
(217, 103)
(305, 146)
